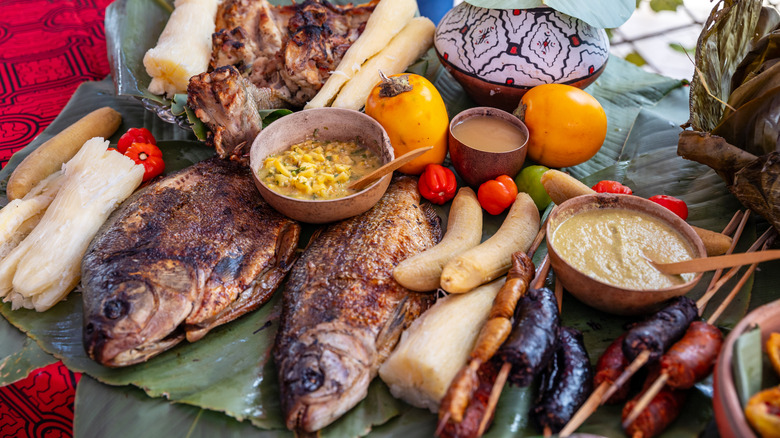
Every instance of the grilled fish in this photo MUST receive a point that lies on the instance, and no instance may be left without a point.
(342, 310)
(188, 253)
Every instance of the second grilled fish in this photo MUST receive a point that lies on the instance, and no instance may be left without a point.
(189, 252)
(342, 310)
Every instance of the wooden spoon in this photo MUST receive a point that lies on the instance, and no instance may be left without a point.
(387, 168)
(712, 263)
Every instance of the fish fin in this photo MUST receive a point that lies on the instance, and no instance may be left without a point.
(390, 334)
(433, 219)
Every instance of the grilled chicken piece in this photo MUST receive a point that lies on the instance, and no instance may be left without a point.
(284, 53)
(228, 104)
(319, 35)
(343, 312)
(189, 252)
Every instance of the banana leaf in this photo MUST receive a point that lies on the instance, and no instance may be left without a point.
(20, 355)
(228, 371)
(598, 13)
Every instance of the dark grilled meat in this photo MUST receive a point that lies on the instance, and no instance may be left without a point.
(228, 104)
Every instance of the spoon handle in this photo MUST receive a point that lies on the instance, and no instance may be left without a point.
(387, 168)
(712, 263)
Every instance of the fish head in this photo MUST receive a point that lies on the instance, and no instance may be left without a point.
(326, 375)
(134, 321)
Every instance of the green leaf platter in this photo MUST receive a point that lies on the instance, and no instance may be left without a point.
(225, 385)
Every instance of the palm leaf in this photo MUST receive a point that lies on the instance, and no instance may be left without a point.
(598, 13)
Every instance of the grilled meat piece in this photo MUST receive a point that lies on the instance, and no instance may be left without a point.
(566, 383)
(228, 104)
(266, 57)
(187, 253)
(319, 35)
(662, 329)
(534, 336)
(342, 310)
(291, 49)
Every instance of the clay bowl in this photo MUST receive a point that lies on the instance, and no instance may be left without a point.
(476, 166)
(603, 296)
(728, 409)
(323, 124)
(499, 54)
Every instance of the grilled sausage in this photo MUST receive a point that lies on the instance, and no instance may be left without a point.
(534, 336)
(566, 383)
(692, 357)
(661, 330)
(472, 416)
(659, 414)
(611, 364)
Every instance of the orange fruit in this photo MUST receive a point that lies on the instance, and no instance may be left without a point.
(414, 116)
(566, 125)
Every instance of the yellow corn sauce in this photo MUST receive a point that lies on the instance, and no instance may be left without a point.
(318, 169)
(612, 245)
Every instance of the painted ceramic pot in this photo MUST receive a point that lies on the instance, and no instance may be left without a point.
(499, 54)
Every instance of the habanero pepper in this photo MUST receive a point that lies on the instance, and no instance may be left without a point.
(437, 184)
(148, 155)
(134, 135)
(677, 206)
(496, 195)
(608, 186)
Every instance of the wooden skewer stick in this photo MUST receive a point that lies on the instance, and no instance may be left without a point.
(659, 383)
(716, 275)
(647, 397)
(716, 314)
(503, 374)
(586, 410)
(605, 390)
(700, 305)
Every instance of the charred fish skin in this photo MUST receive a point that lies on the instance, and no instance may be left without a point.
(343, 312)
(184, 255)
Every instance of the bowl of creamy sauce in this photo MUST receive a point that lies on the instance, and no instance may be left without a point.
(600, 247)
(486, 142)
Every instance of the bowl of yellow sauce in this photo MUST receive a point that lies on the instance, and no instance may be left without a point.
(600, 247)
(303, 163)
(486, 142)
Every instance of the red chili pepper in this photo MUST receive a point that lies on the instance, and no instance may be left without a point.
(134, 135)
(437, 184)
(497, 194)
(677, 206)
(608, 186)
(149, 156)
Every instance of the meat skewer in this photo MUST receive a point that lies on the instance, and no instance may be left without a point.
(693, 357)
(506, 368)
(616, 372)
(663, 409)
(467, 382)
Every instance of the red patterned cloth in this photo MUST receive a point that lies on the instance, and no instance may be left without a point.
(47, 48)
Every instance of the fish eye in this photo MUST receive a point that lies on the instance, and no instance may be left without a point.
(113, 309)
(89, 329)
(312, 379)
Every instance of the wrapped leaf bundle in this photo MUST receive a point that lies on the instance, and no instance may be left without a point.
(735, 103)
